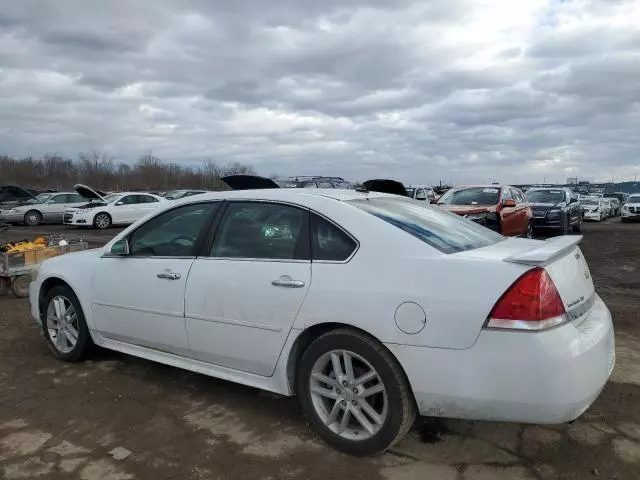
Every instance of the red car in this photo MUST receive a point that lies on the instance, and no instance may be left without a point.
(499, 207)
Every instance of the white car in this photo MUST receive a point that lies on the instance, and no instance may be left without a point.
(44, 208)
(606, 206)
(113, 209)
(631, 208)
(322, 293)
(593, 209)
(421, 192)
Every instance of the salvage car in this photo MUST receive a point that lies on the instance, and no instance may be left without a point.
(499, 207)
(631, 209)
(12, 196)
(44, 208)
(223, 286)
(592, 209)
(555, 209)
(113, 209)
(421, 192)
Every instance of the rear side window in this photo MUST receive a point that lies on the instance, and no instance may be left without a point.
(328, 242)
(438, 228)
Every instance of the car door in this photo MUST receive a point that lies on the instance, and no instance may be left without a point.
(138, 297)
(508, 215)
(522, 213)
(244, 292)
(125, 210)
(53, 208)
(146, 205)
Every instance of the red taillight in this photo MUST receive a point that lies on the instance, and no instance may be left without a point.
(531, 303)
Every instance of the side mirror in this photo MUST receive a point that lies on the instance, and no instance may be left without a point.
(120, 248)
(509, 202)
(119, 203)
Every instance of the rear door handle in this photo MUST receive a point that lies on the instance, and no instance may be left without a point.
(287, 282)
(169, 275)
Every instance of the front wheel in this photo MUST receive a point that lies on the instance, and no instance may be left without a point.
(529, 232)
(564, 230)
(102, 220)
(64, 326)
(354, 393)
(577, 228)
(32, 218)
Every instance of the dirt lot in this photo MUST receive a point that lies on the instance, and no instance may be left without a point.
(118, 417)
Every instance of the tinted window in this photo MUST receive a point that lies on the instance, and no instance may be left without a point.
(471, 196)
(146, 199)
(506, 194)
(60, 198)
(518, 197)
(442, 230)
(546, 196)
(129, 200)
(262, 230)
(633, 199)
(76, 198)
(173, 233)
(410, 192)
(329, 242)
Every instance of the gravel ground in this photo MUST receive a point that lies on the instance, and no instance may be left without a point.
(118, 417)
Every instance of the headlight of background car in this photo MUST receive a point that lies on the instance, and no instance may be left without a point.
(625, 208)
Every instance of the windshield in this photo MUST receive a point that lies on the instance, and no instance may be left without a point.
(545, 196)
(410, 192)
(471, 196)
(443, 230)
(109, 198)
(589, 202)
(176, 194)
(633, 199)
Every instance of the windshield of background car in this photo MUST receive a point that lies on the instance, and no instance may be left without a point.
(471, 196)
(443, 230)
(410, 192)
(589, 202)
(109, 198)
(43, 197)
(545, 196)
(633, 199)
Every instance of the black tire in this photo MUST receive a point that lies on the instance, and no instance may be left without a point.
(84, 345)
(32, 218)
(20, 286)
(577, 228)
(99, 223)
(401, 411)
(529, 233)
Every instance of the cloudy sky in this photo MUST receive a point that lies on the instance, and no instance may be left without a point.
(420, 91)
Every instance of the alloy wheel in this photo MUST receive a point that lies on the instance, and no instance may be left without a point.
(102, 221)
(348, 395)
(62, 324)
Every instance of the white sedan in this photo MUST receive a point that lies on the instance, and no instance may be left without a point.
(322, 293)
(114, 209)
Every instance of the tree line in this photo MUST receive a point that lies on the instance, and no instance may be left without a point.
(98, 170)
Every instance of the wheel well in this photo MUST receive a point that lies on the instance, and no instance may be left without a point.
(308, 336)
(33, 210)
(46, 287)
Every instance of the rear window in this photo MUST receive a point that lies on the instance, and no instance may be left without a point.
(471, 196)
(443, 230)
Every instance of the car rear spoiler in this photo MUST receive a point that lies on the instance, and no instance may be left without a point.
(547, 252)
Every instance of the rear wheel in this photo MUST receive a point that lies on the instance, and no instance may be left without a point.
(20, 286)
(354, 393)
(529, 231)
(32, 218)
(577, 228)
(102, 220)
(64, 326)
(5, 285)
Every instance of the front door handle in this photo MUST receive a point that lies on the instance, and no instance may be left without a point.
(169, 275)
(287, 282)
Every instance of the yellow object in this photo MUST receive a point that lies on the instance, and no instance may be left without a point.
(25, 247)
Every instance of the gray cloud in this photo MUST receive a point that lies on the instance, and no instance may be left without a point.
(452, 90)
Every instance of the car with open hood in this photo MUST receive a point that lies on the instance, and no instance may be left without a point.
(631, 209)
(323, 294)
(555, 210)
(44, 208)
(501, 208)
(104, 210)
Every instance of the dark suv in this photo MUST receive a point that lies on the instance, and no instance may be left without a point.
(555, 209)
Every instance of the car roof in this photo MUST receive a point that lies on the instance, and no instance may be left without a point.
(289, 194)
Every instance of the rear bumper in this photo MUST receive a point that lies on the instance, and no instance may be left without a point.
(546, 377)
